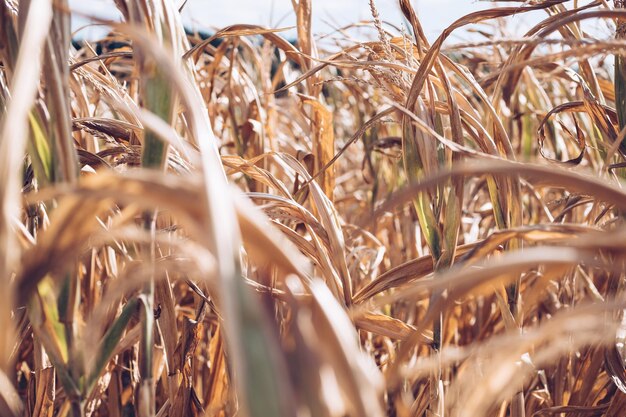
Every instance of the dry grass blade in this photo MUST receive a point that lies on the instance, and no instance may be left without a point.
(45, 393)
(351, 365)
(402, 274)
(10, 403)
(13, 135)
(56, 77)
(247, 30)
(389, 327)
(324, 148)
(541, 175)
(620, 75)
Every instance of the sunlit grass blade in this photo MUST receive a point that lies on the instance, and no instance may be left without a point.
(13, 133)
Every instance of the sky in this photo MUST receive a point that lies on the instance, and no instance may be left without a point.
(328, 14)
(434, 14)
(209, 15)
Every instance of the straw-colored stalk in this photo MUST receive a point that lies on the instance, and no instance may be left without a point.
(620, 75)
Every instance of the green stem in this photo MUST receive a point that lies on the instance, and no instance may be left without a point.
(147, 325)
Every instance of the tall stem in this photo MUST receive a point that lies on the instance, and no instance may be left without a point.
(147, 394)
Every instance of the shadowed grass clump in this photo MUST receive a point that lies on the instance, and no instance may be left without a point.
(359, 223)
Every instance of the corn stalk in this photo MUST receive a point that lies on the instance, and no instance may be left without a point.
(620, 75)
(158, 97)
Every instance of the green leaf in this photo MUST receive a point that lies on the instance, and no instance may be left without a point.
(158, 98)
(109, 342)
(39, 150)
(44, 319)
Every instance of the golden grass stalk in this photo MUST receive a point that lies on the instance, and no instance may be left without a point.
(620, 76)
(158, 97)
(23, 86)
(439, 211)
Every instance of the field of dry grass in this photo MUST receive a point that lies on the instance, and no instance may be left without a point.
(358, 223)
